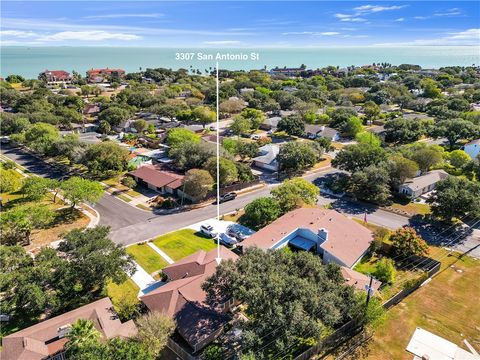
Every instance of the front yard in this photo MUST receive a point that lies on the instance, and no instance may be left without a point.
(182, 243)
(147, 258)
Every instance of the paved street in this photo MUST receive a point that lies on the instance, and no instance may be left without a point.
(130, 225)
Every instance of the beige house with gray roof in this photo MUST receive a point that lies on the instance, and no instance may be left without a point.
(420, 185)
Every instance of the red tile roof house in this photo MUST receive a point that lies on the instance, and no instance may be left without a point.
(162, 181)
(55, 77)
(46, 340)
(198, 321)
(101, 75)
(325, 232)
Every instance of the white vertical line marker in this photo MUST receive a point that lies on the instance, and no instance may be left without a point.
(218, 164)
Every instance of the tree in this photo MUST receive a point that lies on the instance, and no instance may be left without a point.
(427, 157)
(260, 212)
(177, 136)
(357, 157)
(292, 125)
(140, 125)
(385, 271)
(367, 137)
(106, 158)
(352, 127)
(197, 183)
(295, 157)
(35, 187)
(371, 110)
(303, 297)
(458, 158)
(256, 117)
(154, 329)
(69, 146)
(17, 224)
(104, 127)
(370, 184)
(455, 197)
(82, 334)
(14, 79)
(247, 149)
(430, 88)
(295, 193)
(114, 115)
(232, 106)
(240, 125)
(129, 182)
(228, 170)
(13, 124)
(400, 169)
(192, 155)
(9, 181)
(406, 242)
(213, 352)
(95, 259)
(404, 131)
(77, 189)
(456, 129)
(204, 115)
(41, 136)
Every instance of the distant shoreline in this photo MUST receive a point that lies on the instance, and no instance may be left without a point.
(30, 61)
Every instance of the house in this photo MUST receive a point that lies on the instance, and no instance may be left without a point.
(325, 232)
(270, 123)
(246, 90)
(267, 158)
(46, 340)
(316, 131)
(428, 346)
(91, 109)
(102, 75)
(358, 280)
(54, 77)
(198, 320)
(153, 177)
(422, 184)
(287, 71)
(378, 130)
(472, 148)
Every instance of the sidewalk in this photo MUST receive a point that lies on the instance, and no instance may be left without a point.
(160, 252)
(142, 278)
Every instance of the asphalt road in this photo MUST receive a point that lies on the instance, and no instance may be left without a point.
(130, 225)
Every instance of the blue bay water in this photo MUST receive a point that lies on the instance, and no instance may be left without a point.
(29, 61)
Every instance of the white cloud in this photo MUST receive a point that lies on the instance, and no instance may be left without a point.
(343, 16)
(222, 42)
(329, 33)
(469, 37)
(18, 33)
(449, 12)
(312, 33)
(122, 16)
(377, 8)
(399, 19)
(93, 35)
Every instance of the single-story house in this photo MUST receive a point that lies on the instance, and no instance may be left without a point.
(91, 109)
(153, 177)
(267, 158)
(422, 184)
(55, 77)
(325, 232)
(378, 130)
(426, 345)
(47, 339)
(316, 131)
(472, 148)
(270, 123)
(198, 321)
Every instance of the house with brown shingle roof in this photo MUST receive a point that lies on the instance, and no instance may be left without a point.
(46, 340)
(155, 178)
(198, 321)
(325, 232)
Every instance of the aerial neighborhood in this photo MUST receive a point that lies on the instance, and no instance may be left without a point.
(348, 201)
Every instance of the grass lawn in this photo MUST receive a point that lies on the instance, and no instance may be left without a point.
(182, 243)
(447, 306)
(126, 292)
(146, 257)
(234, 216)
(124, 198)
(411, 208)
(324, 162)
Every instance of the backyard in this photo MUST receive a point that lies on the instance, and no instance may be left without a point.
(182, 243)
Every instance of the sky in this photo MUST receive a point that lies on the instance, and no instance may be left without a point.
(238, 24)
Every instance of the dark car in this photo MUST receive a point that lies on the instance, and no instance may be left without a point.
(228, 196)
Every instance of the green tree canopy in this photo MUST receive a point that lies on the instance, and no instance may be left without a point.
(9, 180)
(295, 193)
(197, 183)
(154, 329)
(260, 212)
(178, 136)
(228, 170)
(357, 157)
(295, 156)
(77, 189)
(204, 115)
(292, 125)
(406, 242)
(41, 136)
(106, 158)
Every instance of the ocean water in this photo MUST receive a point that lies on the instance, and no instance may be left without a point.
(29, 61)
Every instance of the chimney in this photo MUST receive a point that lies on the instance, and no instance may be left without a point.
(322, 237)
(63, 331)
(322, 128)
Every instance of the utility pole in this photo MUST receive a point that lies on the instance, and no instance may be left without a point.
(369, 291)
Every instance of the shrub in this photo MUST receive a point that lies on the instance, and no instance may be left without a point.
(128, 181)
(385, 271)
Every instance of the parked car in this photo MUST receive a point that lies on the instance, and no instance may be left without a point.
(255, 137)
(212, 128)
(228, 196)
(208, 230)
(239, 232)
(227, 240)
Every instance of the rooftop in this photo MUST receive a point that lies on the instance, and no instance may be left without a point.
(42, 340)
(155, 176)
(428, 179)
(347, 240)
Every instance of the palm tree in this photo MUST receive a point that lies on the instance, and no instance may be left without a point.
(82, 333)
